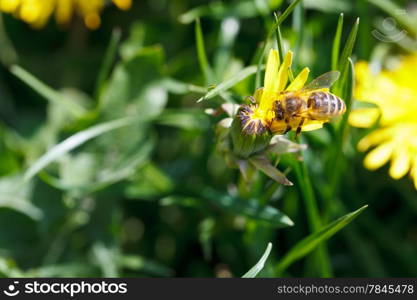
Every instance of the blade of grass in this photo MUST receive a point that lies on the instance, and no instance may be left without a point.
(45, 91)
(74, 141)
(281, 49)
(298, 29)
(202, 54)
(259, 265)
(227, 37)
(322, 260)
(347, 52)
(278, 22)
(8, 54)
(286, 13)
(335, 165)
(336, 43)
(350, 43)
(107, 62)
(309, 243)
(227, 84)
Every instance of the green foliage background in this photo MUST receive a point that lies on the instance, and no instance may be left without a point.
(139, 188)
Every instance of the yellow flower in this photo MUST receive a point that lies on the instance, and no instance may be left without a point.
(275, 83)
(37, 12)
(255, 124)
(395, 94)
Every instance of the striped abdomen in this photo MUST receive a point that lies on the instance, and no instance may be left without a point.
(324, 105)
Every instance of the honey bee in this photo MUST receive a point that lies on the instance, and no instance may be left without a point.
(309, 103)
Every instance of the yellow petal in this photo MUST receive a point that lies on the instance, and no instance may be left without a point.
(364, 117)
(378, 157)
(270, 81)
(283, 71)
(30, 12)
(271, 71)
(313, 125)
(92, 21)
(376, 137)
(123, 4)
(299, 81)
(278, 127)
(63, 12)
(9, 6)
(258, 94)
(400, 164)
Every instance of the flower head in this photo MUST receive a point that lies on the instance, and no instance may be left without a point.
(259, 117)
(37, 12)
(395, 94)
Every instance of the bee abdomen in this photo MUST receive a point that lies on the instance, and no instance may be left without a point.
(325, 105)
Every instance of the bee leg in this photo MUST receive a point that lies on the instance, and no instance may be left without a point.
(300, 126)
(279, 110)
(288, 126)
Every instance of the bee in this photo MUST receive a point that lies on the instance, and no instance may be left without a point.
(309, 103)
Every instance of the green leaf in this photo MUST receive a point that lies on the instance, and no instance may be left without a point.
(135, 42)
(105, 257)
(329, 6)
(149, 183)
(64, 270)
(74, 141)
(309, 243)
(227, 84)
(135, 87)
(15, 196)
(262, 163)
(9, 269)
(220, 10)
(184, 119)
(205, 235)
(8, 53)
(108, 61)
(229, 30)
(202, 54)
(321, 259)
(248, 207)
(178, 87)
(141, 264)
(259, 265)
(47, 92)
(336, 43)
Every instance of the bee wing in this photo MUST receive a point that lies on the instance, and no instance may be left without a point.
(323, 81)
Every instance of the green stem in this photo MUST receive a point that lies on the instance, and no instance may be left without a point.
(320, 255)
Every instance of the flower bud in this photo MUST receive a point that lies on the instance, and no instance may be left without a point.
(249, 134)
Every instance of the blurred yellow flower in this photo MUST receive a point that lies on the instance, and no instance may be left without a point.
(37, 12)
(395, 94)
